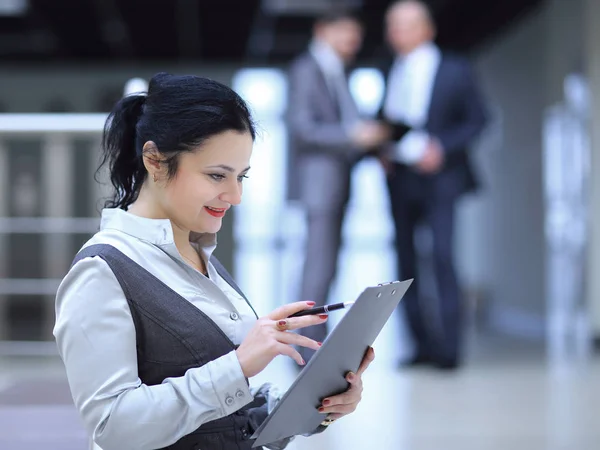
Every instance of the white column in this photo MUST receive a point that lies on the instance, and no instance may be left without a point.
(592, 53)
(57, 179)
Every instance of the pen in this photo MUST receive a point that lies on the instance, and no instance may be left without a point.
(322, 309)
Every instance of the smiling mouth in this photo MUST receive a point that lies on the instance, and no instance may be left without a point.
(216, 212)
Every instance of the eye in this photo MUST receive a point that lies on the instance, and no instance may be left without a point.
(241, 178)
(217, 176)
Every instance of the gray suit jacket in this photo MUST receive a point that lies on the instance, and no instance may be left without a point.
(321, 154)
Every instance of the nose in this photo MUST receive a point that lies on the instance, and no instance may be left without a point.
(233, 194)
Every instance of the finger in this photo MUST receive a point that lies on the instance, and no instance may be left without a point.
(286, 350)
(338, 409)
(346, 398)
(295, 323)
(367, 360)
(297, 339)
(285, 311)
(355, 381)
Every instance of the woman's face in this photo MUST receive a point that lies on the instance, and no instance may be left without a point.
(208, 182)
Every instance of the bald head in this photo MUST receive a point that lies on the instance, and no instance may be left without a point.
(409, 24)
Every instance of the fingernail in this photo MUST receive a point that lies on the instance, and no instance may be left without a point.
(323, 316)
(321, 409)
(311, 303)
(350, 376)
(319, 343)
(326, 402)
(282, 323)
(302, 362)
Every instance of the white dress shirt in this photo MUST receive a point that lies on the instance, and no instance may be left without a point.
(408, 98)
(97, 341)
(333, 69)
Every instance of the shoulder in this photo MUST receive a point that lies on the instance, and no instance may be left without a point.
(89, 268)
(90, 280)
(88, 284)
(94, 269)
(130, 246)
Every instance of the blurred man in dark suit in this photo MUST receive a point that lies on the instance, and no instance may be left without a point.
(327, 137)
(433, 103)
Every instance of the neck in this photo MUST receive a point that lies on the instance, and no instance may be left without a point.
(146, 206)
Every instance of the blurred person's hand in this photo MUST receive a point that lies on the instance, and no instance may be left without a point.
(433, 159)
(369, 134)
(345, 403)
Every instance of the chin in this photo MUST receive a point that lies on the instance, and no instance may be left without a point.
(212, 226)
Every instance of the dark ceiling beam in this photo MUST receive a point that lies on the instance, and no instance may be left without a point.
(26, 35)
(261, 37)
(505, 14)
(187, 28)
(36, 42)
(207, 30)
(153, 27)
(225, 26)
(113, 28)
(75, 26)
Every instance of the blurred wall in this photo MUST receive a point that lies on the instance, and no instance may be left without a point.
(512, 252)
(522, 75)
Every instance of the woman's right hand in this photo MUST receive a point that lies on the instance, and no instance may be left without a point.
(270, 337)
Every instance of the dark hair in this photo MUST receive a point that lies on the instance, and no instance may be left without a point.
(178, 114)
(336, 15)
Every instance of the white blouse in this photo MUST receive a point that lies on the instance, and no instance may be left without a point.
(97, 341)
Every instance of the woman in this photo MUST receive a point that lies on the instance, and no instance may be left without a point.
(157, 340)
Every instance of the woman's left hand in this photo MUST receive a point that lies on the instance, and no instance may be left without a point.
(340, 405)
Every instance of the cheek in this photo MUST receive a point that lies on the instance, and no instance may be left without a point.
(188, 195)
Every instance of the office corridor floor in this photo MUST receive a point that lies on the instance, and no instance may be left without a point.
(506, 397)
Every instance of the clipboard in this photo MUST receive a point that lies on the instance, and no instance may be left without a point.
(324, 375)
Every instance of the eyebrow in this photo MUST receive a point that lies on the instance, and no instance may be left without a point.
(227, 168)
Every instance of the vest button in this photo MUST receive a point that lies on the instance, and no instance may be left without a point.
(239, 394)
(229, 401)
(234, 316)
(245, 433)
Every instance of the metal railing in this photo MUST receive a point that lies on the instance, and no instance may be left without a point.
(42, 206)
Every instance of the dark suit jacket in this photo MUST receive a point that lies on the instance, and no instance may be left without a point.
(320, 151)
(456, 116)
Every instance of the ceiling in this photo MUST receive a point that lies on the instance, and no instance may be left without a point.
(214, 30)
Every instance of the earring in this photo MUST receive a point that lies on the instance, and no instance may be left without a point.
(154, 177)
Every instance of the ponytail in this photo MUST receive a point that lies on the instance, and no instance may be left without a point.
(120, 147)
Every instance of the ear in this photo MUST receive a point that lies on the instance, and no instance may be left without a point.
(153, 160)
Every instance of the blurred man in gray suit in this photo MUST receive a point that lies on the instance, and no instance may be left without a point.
(327, 137)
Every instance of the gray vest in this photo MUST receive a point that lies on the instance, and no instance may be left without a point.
(173, 336)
